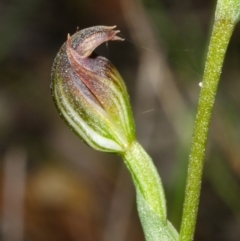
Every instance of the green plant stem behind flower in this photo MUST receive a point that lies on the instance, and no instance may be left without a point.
(227, 14)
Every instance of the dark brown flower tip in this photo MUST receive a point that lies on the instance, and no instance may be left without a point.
(96, 36)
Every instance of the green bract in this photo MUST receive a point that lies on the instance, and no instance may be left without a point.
(90, 94)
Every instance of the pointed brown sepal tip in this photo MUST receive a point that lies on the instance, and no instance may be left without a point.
(69, 41)
(117, 38)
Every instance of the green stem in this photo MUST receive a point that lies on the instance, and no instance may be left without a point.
(150, 195)
(146, 178)
(222, 31)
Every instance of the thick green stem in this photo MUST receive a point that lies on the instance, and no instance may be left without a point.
(146, 178)
(150, 195)
(222, 31)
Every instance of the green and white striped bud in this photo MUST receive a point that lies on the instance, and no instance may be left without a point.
(90, 94)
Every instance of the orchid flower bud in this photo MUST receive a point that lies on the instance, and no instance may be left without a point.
(90, 94)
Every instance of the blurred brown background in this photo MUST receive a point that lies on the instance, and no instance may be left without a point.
(54, 187)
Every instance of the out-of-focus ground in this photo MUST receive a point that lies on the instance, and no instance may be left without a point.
(54, 187)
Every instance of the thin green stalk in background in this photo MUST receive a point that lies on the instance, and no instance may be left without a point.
(226, 17)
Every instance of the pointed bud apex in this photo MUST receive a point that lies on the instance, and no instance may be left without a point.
(90, 94)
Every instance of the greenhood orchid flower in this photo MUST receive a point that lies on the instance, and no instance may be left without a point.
(90, 94)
